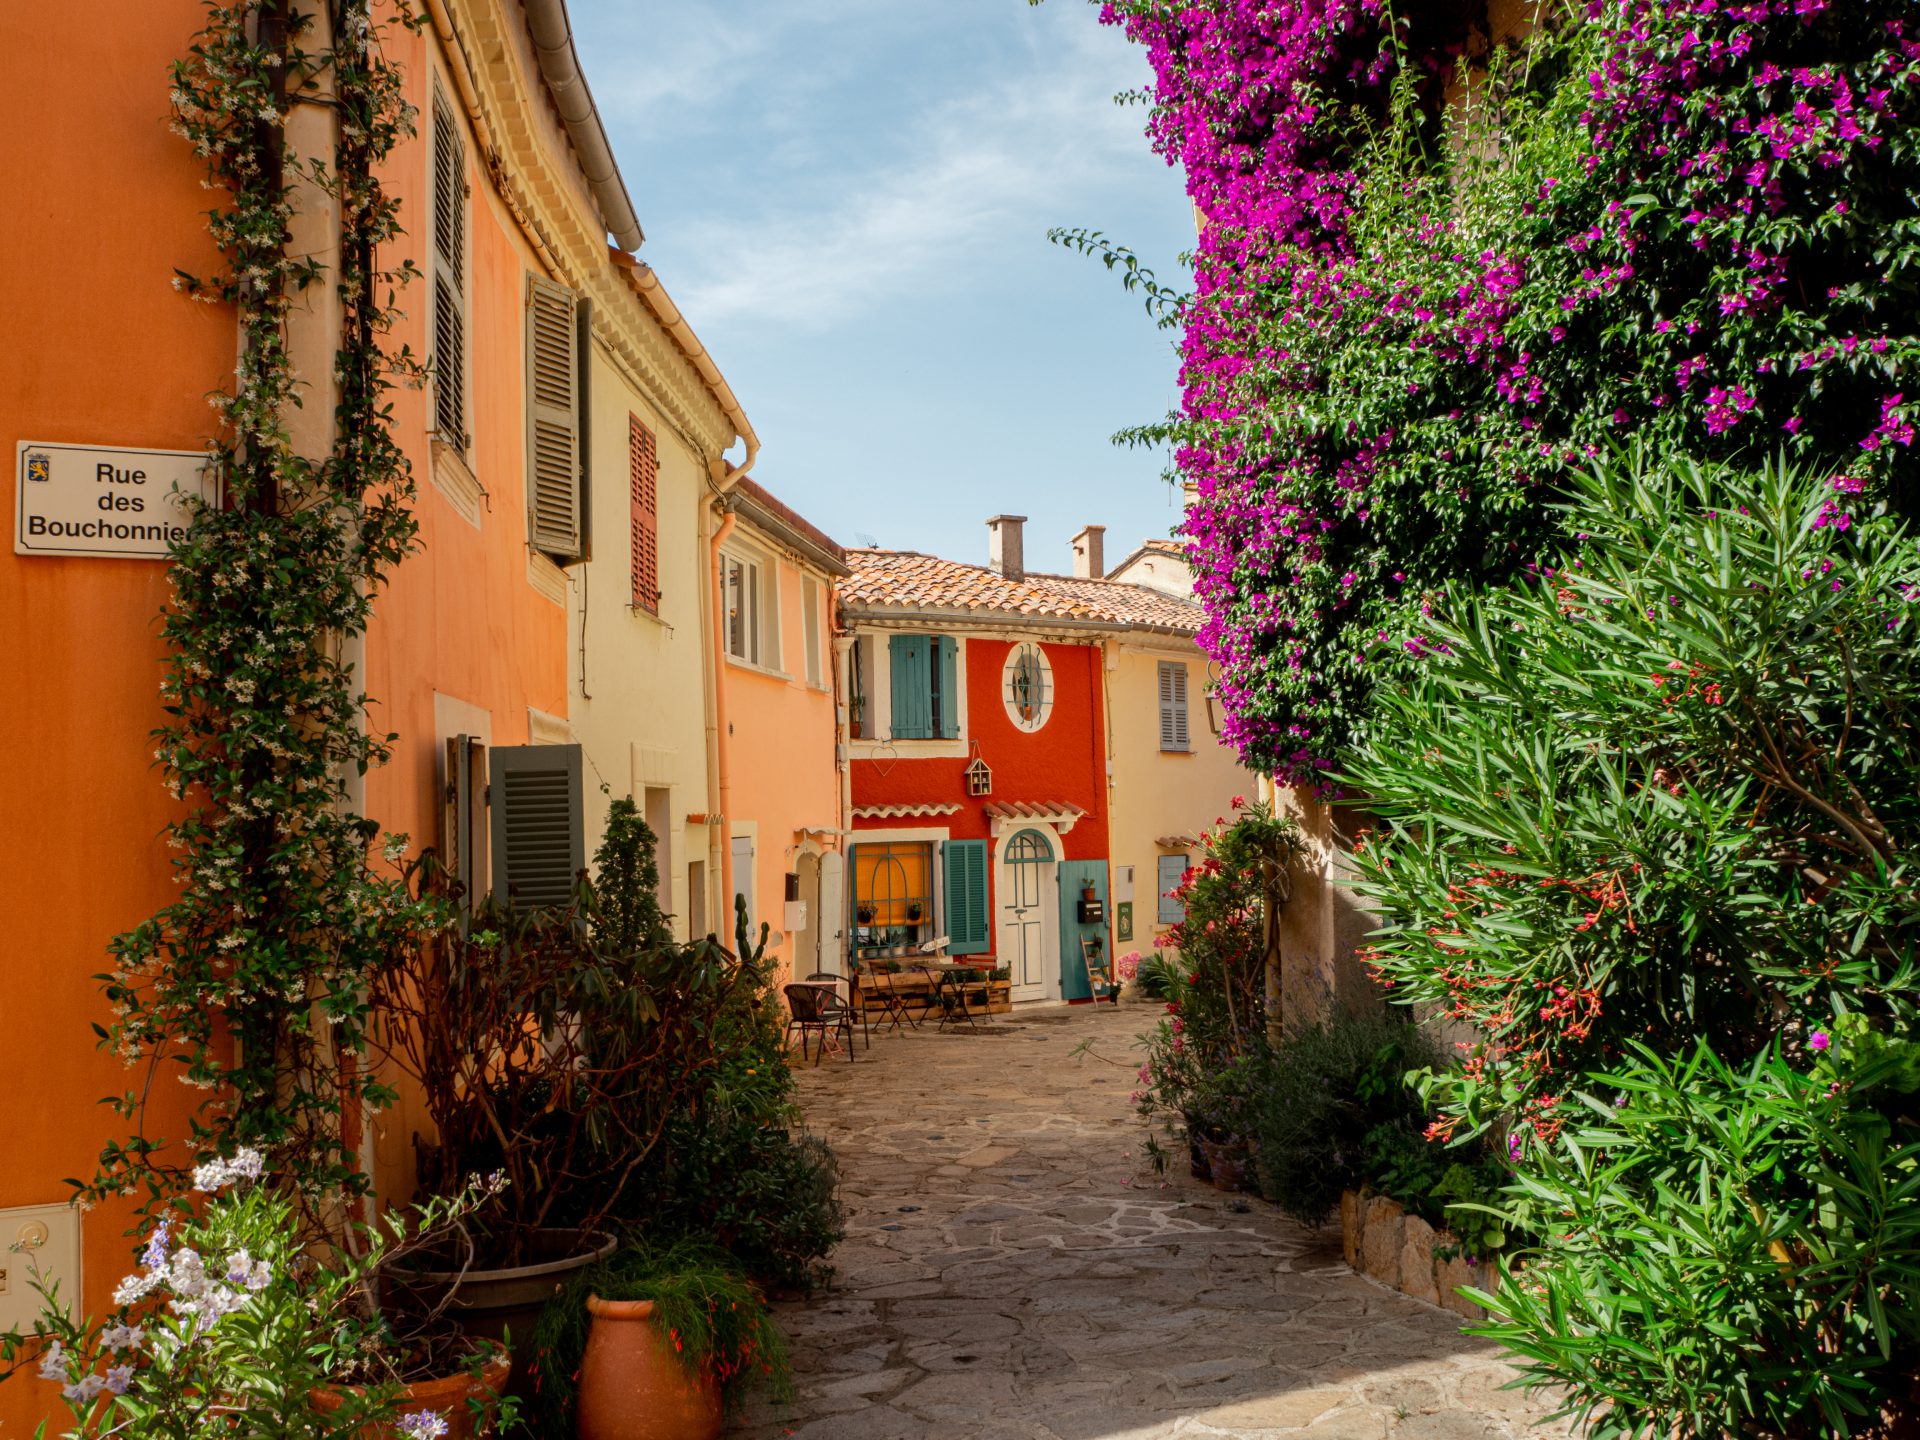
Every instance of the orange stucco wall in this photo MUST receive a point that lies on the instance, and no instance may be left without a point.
(104, 202)
(781, 754)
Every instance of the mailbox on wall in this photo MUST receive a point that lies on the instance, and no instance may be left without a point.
(1092, 912)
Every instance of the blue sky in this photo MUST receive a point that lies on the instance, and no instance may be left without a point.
(849, 199)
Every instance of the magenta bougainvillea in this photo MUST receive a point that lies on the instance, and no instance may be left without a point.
(1443, 260)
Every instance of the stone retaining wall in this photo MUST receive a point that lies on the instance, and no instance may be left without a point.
(1383, 1242)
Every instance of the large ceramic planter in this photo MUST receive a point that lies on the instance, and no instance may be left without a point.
(449, 1397)
(632, 1384)
(489, 1303)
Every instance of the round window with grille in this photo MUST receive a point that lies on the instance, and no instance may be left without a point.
(1028, 687)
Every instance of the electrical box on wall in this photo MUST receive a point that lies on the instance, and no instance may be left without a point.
(43, 1238)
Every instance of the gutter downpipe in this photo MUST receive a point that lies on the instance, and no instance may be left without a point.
(721, 835)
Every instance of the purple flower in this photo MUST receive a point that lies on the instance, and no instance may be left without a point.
(1819, 1040)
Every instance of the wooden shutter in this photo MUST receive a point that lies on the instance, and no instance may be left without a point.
(1170, 871)
(553, 420)
(1173, 706)
(912, 659)
(539, 842)
(946, 700)
(463, 831)
(643, 484)
(449, 275)
(968, 929)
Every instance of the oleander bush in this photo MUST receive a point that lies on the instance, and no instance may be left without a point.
(1643, 831)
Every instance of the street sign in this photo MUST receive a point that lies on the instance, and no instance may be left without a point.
(104, 499)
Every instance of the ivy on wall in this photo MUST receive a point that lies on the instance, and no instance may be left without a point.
(250, 986)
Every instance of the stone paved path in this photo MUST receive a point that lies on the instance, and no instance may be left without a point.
(1013, 1271)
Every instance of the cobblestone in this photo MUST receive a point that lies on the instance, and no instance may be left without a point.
(1013, 1269)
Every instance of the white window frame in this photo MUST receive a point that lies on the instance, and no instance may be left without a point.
(1045, 712)
(749, 636)
(812, 607)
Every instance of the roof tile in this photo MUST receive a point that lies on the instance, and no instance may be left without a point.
(906, 579)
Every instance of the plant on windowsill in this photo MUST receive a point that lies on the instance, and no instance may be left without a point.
(914, 913)
(864, 914)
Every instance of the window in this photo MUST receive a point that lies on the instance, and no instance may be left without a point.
(743, 583)
(1172, 870)
(539, 842)
(557, 326)
(860, 718)
(969, 928)
(449, 276)
(892, 895)
(1027, 687)
(810, 608)
(925, 689)
(1173, 706)
(643, 485)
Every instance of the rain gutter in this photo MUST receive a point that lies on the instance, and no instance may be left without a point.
(560, 66)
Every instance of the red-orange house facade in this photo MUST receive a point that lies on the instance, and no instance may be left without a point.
(980, 768)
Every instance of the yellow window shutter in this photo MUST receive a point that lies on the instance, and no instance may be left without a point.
(554, 520)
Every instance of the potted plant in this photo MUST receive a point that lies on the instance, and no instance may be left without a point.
(864, 914)
(229, 1313)
(915, 911)
(999, 990)
(654, 1342)
(550, 1048)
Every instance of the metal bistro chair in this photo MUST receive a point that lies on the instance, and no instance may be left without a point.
(851, 998)
(812, 1008)
(960, 989)
(893, 1007)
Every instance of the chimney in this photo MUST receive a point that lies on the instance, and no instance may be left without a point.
(1090, 553)
(1006, 550)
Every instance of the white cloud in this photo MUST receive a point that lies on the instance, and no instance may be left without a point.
(1020, 147)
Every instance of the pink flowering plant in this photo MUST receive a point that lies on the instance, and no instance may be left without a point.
(230, 1325)
(1441, 268)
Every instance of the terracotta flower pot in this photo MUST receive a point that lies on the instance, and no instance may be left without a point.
(447, 1397)
(632, 1384)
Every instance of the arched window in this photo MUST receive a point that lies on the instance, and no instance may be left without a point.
(1028, 687)
(1029, 847)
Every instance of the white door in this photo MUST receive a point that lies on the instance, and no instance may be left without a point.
(1027, 894)
(830, 923)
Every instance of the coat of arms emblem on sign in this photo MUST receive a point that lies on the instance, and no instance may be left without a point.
(39, 466)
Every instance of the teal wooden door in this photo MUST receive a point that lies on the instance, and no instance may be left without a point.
(1074, 875)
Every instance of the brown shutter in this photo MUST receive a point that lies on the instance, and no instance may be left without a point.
(449, 275)
(644, 483)
(553, 420)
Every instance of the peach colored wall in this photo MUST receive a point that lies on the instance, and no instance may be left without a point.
(104, 203)
(782, 749)
(461, 618)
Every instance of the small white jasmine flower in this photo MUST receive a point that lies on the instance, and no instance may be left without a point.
(119, 1379)
(53, 1363)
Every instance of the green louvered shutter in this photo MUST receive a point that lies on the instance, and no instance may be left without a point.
(912, 659)
(968, 932)
(946, 697)
(539, 841)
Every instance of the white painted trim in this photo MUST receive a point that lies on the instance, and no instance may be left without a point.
(545, 729)
(546, 577)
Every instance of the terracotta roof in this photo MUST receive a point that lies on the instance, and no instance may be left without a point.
(1058, 813)
(765, 509)
(897, 812)
(1131, 604)
(908, 580)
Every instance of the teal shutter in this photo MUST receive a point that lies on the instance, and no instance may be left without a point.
(946, 707)
(968, 930)
(1169, 872)
(912, 686)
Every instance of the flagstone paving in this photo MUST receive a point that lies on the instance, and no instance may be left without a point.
(1014, 1271)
